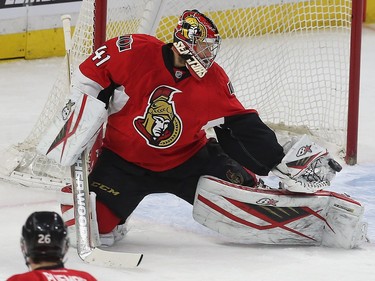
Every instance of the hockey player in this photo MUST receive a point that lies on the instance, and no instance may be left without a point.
(160, 98)
(44, 243)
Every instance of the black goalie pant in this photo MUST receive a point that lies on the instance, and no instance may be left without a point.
(121, 185)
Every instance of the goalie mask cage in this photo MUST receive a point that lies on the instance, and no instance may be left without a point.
(296, 62)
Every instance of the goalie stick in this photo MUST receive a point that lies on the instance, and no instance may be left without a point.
(80, 189)
(81, 205)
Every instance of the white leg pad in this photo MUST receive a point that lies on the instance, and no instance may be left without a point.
(344, 227)
(65, 198)
(252, 215)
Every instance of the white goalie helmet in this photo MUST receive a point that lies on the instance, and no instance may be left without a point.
(196, 39)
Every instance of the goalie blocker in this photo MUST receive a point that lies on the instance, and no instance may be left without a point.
(73, 129)
(267, 216)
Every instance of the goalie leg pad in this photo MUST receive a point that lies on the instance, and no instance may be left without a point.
(97, 239)
(73, 129)
(259, 216)
(344, 227)
(65, 198)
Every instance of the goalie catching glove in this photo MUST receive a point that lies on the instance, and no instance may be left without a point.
(306, 167)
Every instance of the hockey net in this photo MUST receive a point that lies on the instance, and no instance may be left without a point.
(290, 60)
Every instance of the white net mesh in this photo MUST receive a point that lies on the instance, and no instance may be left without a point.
(288, 59)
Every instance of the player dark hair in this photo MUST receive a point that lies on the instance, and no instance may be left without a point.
(44, 237)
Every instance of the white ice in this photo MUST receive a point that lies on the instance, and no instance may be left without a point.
(175, 246)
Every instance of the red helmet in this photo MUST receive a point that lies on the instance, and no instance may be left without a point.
(196, 39)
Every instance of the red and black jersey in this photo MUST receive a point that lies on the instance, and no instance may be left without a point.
(53, 274)
(157, 112)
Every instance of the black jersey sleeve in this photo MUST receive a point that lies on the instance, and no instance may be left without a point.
(249, 141)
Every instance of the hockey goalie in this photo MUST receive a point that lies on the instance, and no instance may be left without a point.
(157, 99)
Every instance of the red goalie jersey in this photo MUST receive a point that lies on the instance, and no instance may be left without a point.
(151, 103)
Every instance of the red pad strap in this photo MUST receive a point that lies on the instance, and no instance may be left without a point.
(107, 220)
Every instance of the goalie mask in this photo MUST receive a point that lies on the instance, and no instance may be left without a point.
(197, 40)
(44, 237)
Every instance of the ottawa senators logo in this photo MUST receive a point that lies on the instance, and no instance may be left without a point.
(193, 28)
(124, 43)
(160, 126)
(234, 177)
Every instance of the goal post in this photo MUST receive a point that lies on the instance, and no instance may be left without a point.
(354, 81)
(296, 62)
(100, 22)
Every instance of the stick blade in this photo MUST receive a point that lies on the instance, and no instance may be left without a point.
(112, 259)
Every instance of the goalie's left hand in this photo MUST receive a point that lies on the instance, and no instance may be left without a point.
(306, 167)
(322, 169)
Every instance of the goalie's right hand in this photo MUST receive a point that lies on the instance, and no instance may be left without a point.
(73, 129)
